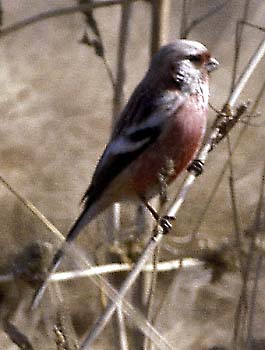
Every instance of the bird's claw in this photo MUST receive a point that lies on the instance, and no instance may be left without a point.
(165, 223)
(196, 166)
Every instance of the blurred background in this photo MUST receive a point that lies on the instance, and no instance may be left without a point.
(57, 105)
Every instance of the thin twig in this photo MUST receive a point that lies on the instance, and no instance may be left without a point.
(251, 66)
(29, 205)
(151, 298)
(253, 296)
(252, 25)
(238, 42)
(237, 229)
(118, 98)
(246, 277)
(1, 13)
(184, 19)
(122, 329)
(96, 40)
(16, 336)
(113, 213)
(62, 11)
(113, 268)
(242, 305)
(260, 205)
(253, 299)
(200, 19)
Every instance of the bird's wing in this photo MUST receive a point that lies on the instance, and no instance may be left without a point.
(139, 126)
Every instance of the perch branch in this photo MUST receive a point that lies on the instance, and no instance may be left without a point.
(112, 268)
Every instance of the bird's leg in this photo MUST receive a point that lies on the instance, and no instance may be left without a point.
(163, 221)
(152, 210)
(196, 166)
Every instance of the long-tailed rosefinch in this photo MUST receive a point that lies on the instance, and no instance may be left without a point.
(161, 126)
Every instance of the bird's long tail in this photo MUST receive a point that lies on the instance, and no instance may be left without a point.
(85, 217)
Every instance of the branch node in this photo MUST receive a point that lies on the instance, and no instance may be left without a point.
(196, 167)
(226, 120)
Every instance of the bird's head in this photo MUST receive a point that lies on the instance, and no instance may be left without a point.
(182, 64)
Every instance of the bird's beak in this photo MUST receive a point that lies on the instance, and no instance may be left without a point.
(212, 65)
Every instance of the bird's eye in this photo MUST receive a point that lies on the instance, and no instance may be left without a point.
(195, 58)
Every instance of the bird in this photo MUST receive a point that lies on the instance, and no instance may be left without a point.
(159, 131)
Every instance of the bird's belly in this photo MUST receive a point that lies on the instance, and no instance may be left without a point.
(170, 154)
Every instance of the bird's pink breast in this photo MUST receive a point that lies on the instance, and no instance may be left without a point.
(175, 148)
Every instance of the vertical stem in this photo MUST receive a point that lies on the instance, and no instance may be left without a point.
(236, 215)
(160, 15)
(253, 297)
(113, 214)
(253, 300)
(238, 42)
(113, 219)
(159, 35)
(151, 298)
(239, 34)
(122, 329)
(118, 99)
(184, 20)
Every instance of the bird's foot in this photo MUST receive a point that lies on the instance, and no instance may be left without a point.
(165, 223)
(196, 167)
